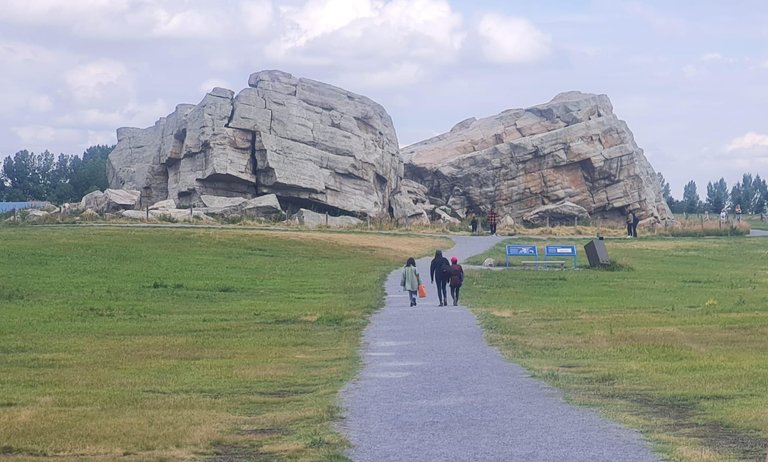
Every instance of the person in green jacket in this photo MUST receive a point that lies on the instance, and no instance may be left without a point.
(411, 280)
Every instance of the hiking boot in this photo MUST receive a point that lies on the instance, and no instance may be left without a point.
(455, 303)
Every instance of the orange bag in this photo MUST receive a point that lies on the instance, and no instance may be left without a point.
(422, 291)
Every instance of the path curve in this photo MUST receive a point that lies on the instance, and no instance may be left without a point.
(431, 389)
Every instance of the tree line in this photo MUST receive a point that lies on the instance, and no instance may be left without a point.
(750, 194)
(27, 176)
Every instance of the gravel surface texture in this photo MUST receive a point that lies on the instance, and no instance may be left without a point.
(432, 389)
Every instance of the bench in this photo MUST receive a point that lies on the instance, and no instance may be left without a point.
(543, 264)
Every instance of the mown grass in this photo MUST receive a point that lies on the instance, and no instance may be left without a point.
(672, 341)
(182, 344)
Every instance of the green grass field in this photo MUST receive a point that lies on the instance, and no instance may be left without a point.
(672, 340)
(142, 344)
(146, 344)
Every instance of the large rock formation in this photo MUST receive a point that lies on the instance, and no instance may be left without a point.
(299, 144)
(313, 145)
(572, 152)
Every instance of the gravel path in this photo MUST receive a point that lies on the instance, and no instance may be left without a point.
(431, 389)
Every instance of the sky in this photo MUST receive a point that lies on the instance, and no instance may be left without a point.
(690, 78)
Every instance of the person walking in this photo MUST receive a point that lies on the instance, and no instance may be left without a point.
(492, 217)
(635, 221)
(473, 223)
(457, 278)
(630, 220)
(411, 280)
(439, 274)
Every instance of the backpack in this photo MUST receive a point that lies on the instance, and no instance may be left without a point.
(456, 278)
(445, 270)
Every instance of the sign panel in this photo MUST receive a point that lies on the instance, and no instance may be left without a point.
(521, 250)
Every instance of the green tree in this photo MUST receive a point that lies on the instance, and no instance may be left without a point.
(717, 196)
(691, 200)
(666, 191)
(762, 195)
(25, 176)
(90, 173)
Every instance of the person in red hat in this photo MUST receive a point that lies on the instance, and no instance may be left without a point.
(457, 278)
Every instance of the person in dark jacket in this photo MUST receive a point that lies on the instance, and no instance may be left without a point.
(457, 278)
(440, 273)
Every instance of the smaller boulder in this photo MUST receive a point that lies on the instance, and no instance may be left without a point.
(266, 206)
(163, 205)
(111, 200)
(443, 214)
(221, 201)
(489, 263)
(312, 219)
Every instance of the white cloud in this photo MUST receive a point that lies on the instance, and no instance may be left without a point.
(41, 137)
(132, 114)
(53, 12)
(749, 142)
(256, 16)
(395, 75)
(210, 84)
(711, 57)
(512, 40)
(98, 80)
(40, 103)
(141, 20)
(369, 32)
(20, 53)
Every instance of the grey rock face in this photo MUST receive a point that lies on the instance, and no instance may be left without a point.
(111, 200)
(312, 219)
(562, 213)
(570, 150)
(306, 142)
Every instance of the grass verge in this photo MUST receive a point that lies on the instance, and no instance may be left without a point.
(182, 344)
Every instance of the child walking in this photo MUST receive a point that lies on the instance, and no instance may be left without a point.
(411, 280)
(457, 278)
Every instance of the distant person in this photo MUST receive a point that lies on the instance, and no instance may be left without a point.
(738, 213)
(630, 220)
(411, 280)
(439, 274)
(473, 223)
(492, 217)
(457, 279)
(723, 216)
(635, 222)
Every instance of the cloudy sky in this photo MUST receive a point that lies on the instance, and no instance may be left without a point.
(689, 77)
